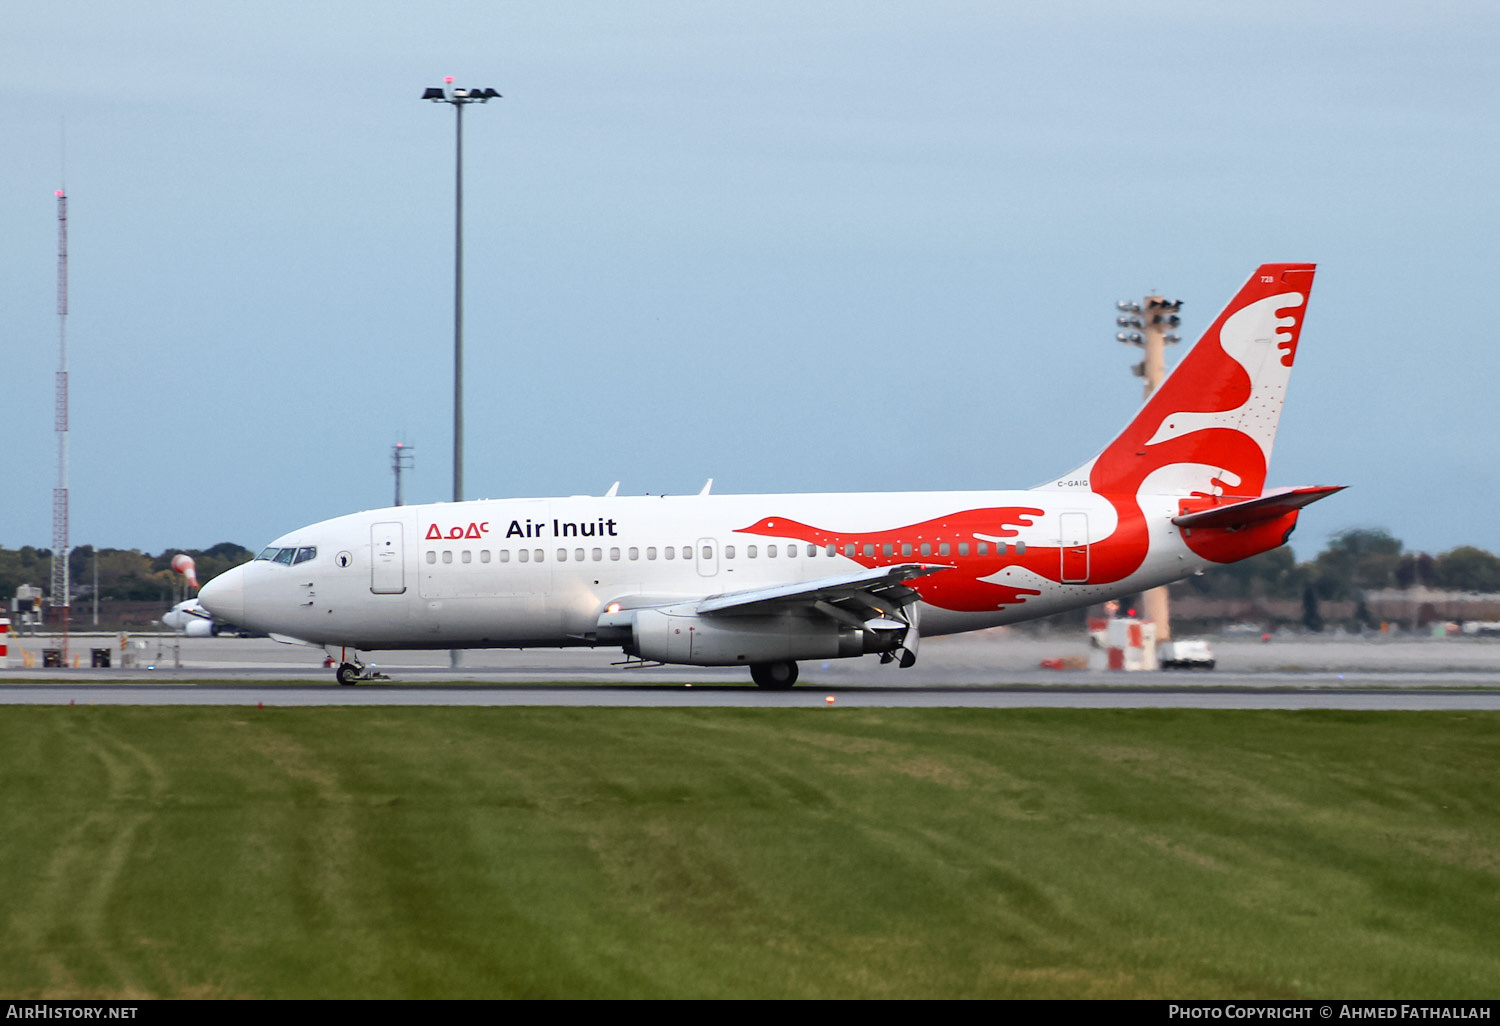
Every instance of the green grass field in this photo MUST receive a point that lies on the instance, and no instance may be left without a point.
(390, 853)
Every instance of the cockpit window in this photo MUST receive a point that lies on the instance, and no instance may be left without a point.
(289, 556)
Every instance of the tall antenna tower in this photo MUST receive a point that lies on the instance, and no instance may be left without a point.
(61, 598)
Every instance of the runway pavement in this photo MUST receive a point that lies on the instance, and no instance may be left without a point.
(999, 668)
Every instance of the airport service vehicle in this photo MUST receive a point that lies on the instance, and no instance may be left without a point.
(1187, 654)
(764, 581)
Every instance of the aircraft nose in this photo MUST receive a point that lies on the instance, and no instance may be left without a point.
(224, 596)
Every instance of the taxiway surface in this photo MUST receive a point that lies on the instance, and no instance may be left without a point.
(996, 669)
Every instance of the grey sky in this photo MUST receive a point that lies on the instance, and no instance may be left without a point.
(790, 246)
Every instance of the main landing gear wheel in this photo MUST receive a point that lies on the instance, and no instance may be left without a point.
(352, 673)
(778, 676)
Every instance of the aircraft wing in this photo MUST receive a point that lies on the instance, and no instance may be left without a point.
(880, 588)
(192, 607)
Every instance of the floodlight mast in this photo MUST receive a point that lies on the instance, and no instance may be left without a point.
(401, 459)
(459, 98)
(1154, 321)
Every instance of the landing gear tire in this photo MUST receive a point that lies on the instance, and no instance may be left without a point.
(348, 673)
(777, 676)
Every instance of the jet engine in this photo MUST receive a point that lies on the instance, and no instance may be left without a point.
(197, 627)
(668, 635)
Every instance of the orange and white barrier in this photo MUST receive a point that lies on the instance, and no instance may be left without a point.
(4, 641)
(1122, 644)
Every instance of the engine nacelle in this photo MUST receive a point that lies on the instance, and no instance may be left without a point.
(197, 627)
(668, 636)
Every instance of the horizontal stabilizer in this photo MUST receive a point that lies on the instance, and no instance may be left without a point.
(1273, 504)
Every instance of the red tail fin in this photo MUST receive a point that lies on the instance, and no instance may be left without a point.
(1210, 427)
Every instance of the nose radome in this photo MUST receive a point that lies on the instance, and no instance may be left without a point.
(224, 596)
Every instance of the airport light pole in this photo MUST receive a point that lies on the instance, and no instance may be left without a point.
(1151, 324)
(1151, 317)
(401, 459)
(459, 99)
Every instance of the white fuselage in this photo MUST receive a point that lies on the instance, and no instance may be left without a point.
(539, 572)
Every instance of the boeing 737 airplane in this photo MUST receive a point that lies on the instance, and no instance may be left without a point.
(766, 580)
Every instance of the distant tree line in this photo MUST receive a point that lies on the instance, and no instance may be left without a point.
(1356, 561)
(127, 575)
